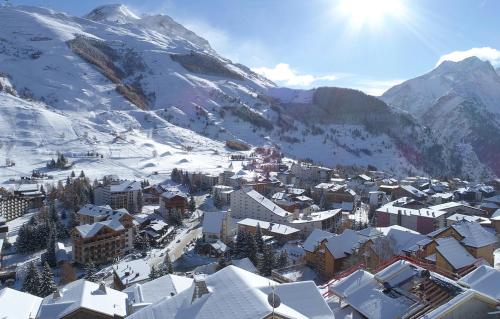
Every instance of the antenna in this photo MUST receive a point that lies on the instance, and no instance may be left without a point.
(273, 299)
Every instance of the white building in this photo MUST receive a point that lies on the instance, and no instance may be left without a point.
(217, 226)
(120, 194)
(18, 305)
(248, 203)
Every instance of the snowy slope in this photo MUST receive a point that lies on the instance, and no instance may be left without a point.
(130, 86)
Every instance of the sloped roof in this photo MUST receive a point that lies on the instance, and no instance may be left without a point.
(341, 245)
(125, 186)
(83, 294)
(271, 227)
(153, 291)
(475, 235)
(267, 203)
(90, 230)
(454, 253)
(212, 221)
(315, 238)
(484, 279)
(129, 272)
(17, 304)
(237, 293)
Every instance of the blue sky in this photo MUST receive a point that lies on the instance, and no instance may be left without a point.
(364, 44)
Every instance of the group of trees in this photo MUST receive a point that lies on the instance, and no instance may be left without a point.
(76, 192)
(39, 283)
(164, 269)
(253, 246)
(60, 162)
(42, 231)
(182, 177)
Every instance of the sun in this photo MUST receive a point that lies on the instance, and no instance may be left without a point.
(370, 13)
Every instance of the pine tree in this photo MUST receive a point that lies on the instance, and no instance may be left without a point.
(50, 255)
(258, 238)
(266, 261)
(32, 280)
(153, 273)
(240, 247)
(192, 204)
(252, 248)
(222, 262)
(90, 272)
(169, 266)
(82, 174)
(282, 260)
(73, 175)
(47, 284)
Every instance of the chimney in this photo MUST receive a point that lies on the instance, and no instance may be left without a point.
(200, 287)
(57, 294)
(102, 287)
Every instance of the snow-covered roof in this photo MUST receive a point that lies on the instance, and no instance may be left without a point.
(125, 186)
(87, 295)
(413, 190)
(365, 294)
(98, 211)
(342, 245)
(90, 230)
(392, 208)
(484, 279)
(404, 238)
(317, 216)
(469, 218)
(453, 205)
(267, 203)
(131, 272)
(153, 291)
(271, 227)
(474, 234)
(454, 253)
(316, 237)
(212, 222)
(237, 293)
(496, 215)
(18, 305)
(172, 193)
(494, 199)
(245, 264)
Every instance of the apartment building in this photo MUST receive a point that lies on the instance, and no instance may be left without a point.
(120, 194)
(12, 206)
(248, 203)
(104, 241)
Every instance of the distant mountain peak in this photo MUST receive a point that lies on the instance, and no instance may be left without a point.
(112, 12)
(470, 64)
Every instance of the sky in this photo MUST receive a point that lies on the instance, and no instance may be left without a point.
(369, 45)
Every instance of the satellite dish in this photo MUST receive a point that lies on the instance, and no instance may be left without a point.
(273, 299)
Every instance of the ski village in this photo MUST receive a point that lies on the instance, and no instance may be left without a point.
(145, 176)
(266, 237)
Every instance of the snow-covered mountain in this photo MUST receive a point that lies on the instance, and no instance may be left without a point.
(151, 94)
(460, 102)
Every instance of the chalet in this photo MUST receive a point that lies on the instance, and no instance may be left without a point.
(328, 254)
(84, 299)
(479, 242)
(90, 214)
(281, 233)
(458, 208)
(171, 202)
(103, 241)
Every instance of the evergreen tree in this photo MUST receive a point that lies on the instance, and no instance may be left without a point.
(90, 272)
(153, 273)
(82, 174)
(50, 255)
(47, 284)
(266, 261)
(222, 262)
(240, 247)
(282, 260)
(252, 248)
(258, 238)
(73, 175)
(192, 204)
(32, 280)
(169, 266)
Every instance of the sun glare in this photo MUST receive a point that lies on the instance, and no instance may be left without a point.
(372, 13)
